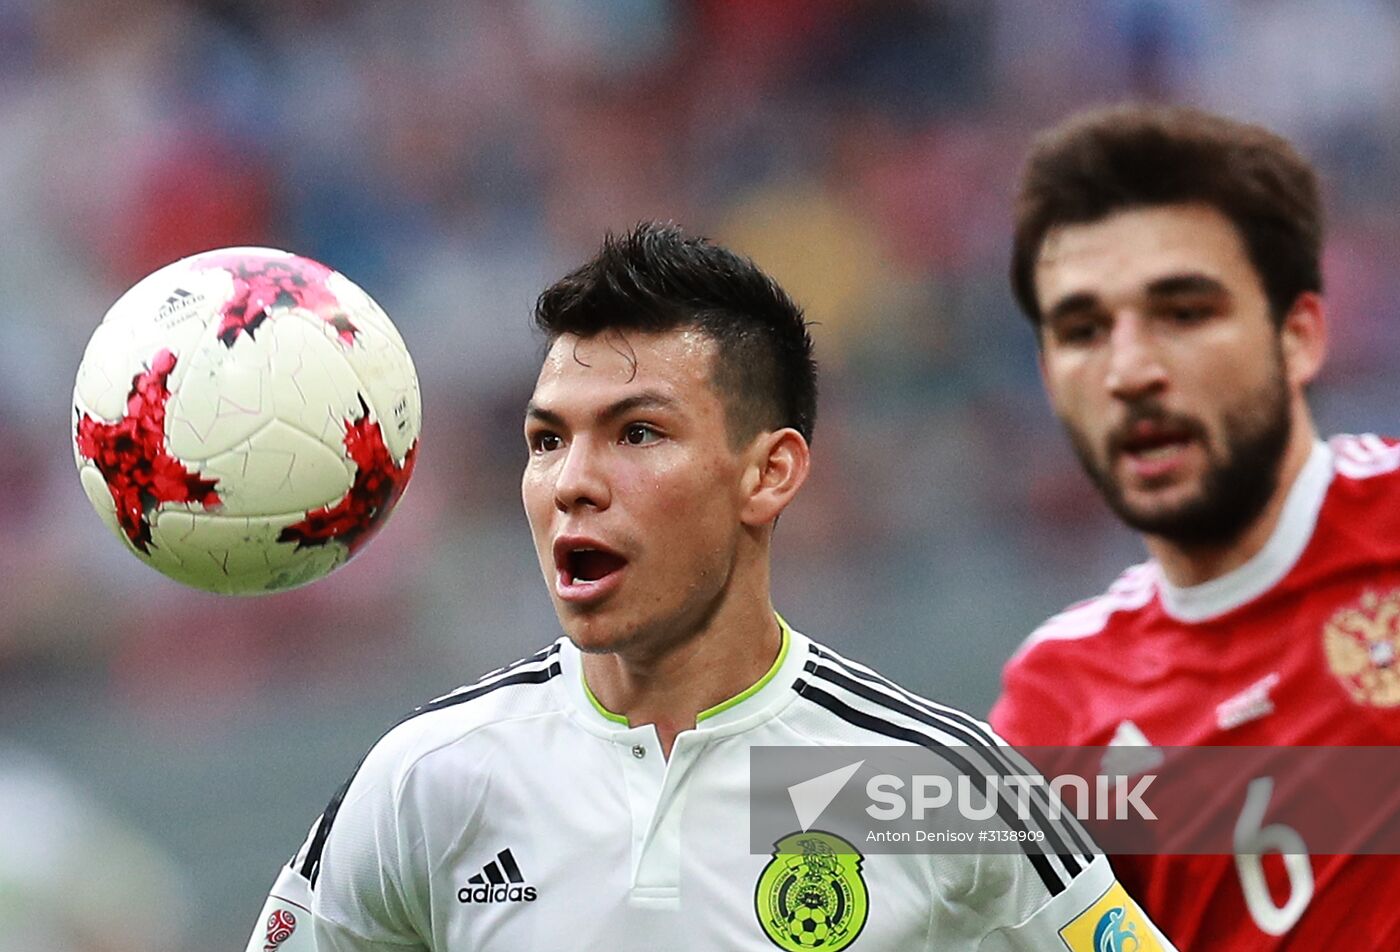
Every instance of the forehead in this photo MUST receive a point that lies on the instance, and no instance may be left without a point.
(613, 364)
(1119, 255)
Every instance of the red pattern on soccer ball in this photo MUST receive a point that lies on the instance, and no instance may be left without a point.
(131, 456)
(280, 926)
(378, 484)
(261, 284)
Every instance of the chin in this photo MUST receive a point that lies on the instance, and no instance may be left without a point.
(590, 633)
(1158, 520)
(1163, 505)
(1185, 522)
(594, 645)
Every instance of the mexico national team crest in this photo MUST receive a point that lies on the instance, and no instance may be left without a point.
(811, 894)
(1362, 644)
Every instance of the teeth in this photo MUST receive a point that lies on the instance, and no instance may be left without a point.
(571, 562)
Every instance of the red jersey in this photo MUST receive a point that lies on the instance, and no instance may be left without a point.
(1299, 646)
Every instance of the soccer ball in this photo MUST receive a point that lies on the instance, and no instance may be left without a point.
(809, 926)
(245, 419)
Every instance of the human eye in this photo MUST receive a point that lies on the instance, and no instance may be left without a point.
(1077, 331)
(1186, 310)
(640, 434)
(1189, 313)
(543, 441)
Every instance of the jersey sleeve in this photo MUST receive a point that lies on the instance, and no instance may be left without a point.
(346, 889)
(287, 923)
(365, 880)
(1041, 896)
(284, 925)
(1094, 913)
(1031, 709)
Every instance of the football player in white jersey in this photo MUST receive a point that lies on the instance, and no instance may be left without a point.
(595, 795)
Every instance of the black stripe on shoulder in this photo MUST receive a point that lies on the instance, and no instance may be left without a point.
(956, 724)
(873, 678)
(1056, 834)
(537, 656)
(487, 683)
(311, 864)
(1054, 883)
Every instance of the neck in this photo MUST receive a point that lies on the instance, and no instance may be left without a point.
(1184, 566)
(669, 687)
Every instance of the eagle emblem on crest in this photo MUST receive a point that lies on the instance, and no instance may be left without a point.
(1362, 645)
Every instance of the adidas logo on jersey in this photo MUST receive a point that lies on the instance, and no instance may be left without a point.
(499, 881)
(1249, 705)
(1130, 752)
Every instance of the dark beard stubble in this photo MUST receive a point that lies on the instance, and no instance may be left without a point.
(1234, 490)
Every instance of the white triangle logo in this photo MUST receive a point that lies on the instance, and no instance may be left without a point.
(811, 797)
(1131, 752)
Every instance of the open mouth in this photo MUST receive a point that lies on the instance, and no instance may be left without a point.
(587, 570)
(590, 565)
(1154, 449)
(1156, 446)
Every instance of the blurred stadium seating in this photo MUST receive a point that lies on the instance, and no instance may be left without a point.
(452, 157)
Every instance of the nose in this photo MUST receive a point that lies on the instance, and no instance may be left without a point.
(1135, 368)
(581, 480)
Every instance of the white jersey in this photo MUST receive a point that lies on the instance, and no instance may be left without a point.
(517, 814)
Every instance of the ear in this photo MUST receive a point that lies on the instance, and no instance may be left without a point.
(777, 468)
(1303, 338)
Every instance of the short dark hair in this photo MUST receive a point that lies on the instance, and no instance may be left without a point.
(1134, 156)
(657, 278)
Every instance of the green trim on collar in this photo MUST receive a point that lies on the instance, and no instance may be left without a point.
(597, 704)
(761, 683)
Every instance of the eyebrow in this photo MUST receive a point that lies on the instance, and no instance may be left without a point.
(1185, 284)
(646, 400)
(1169, 286)
(1071, 305)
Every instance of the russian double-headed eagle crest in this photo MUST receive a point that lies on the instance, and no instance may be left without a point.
(1362, 645)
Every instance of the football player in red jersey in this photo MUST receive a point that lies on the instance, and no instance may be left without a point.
(1169, 262)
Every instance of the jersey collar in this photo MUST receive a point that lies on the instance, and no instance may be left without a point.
(1197, 603)
(759, 702)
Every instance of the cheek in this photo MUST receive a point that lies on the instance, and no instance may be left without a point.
(536, 497)
(687, 506)
(1199, 387)
(1065, 388)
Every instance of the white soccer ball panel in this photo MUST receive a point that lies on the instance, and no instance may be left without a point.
(236, 555)
(221, 401)
(101, 498)
(327, 377)
(288, 371)
(119, 352)
(388, 381)
(168, 299)
(278, 466)
(390, 367)
(104, 376)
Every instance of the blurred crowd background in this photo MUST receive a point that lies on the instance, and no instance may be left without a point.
(162, 751)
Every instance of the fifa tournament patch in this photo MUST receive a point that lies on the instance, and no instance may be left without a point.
(1114, 923)
(811, 895)
(285, 927)
(281, 926)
